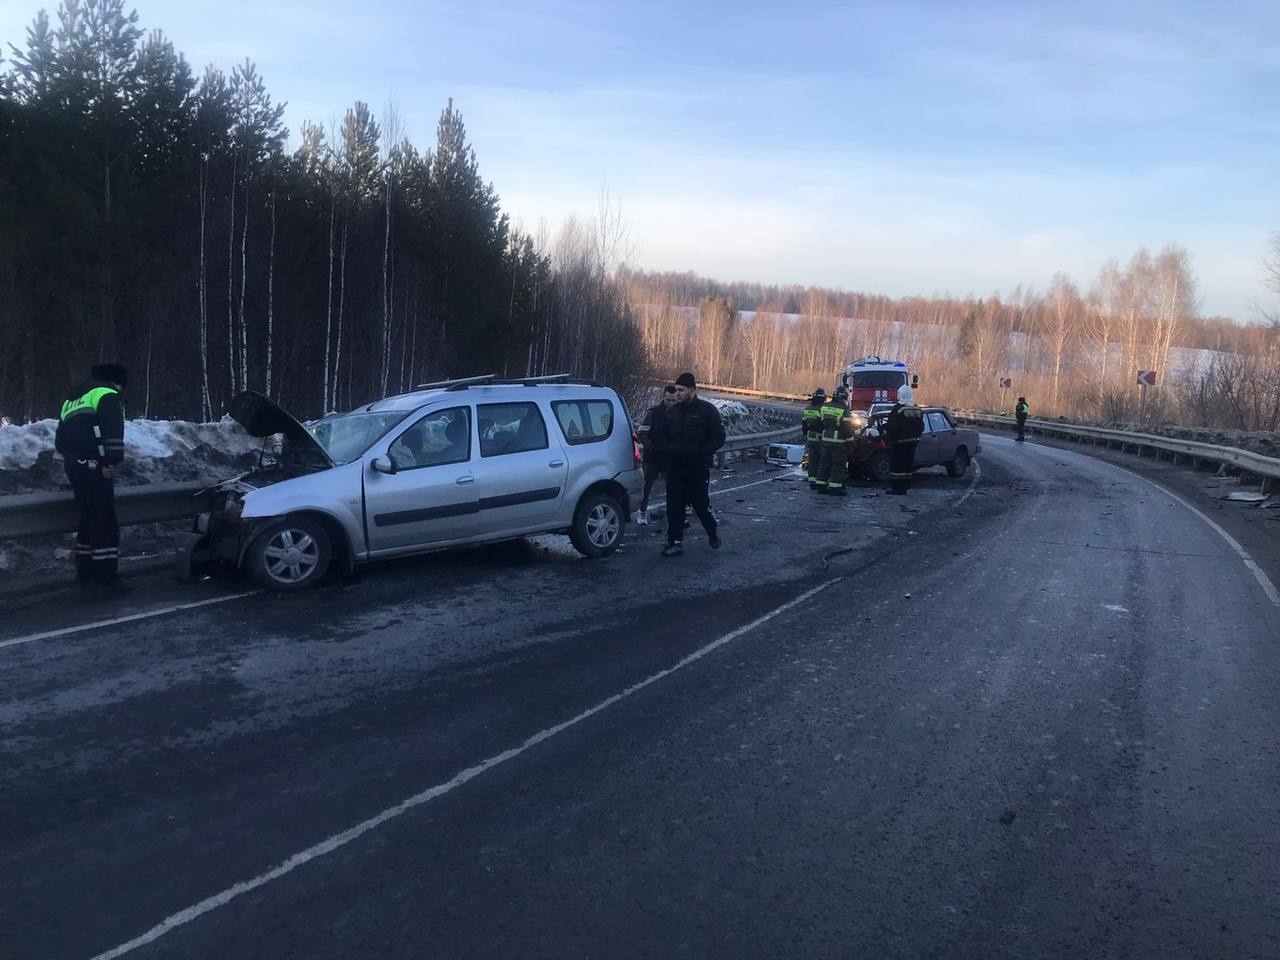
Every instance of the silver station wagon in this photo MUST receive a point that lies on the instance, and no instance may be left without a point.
(454, 463)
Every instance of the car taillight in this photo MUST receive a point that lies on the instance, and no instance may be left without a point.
(636, 452)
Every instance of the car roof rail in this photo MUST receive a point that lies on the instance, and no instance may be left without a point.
(459, 383)
(551, 379)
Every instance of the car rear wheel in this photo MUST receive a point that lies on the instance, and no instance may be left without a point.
(597, 525)
(877, 467)
(290, 554)
(960, 464)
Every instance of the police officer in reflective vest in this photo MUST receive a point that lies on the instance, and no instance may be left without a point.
(811, 426)
(903, 429)
(837, 429)
(90, 437)
(1020, 412)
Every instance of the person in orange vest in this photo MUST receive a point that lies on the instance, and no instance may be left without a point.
(90, 437)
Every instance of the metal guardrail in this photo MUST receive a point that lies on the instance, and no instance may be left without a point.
(41, 514)
(1245, 460)
(752, 441)
(757, 394)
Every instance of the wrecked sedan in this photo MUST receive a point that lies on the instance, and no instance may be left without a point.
(942, 443)
(460, 463)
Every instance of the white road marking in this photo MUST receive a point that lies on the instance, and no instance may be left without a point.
(753, 483)
(1115, 607)
(338, 840)
(145, 615)
(1264, 581)
(80, 628)
(977, 475)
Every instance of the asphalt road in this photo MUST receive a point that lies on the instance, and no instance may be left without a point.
(1028, 716)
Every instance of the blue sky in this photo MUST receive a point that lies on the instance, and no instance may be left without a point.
(907, 147)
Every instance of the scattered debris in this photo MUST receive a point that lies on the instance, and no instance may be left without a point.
(1245, 496)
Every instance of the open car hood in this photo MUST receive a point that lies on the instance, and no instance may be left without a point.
(262, 417)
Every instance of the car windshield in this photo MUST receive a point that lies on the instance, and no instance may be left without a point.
(878, 379)
(347, 435)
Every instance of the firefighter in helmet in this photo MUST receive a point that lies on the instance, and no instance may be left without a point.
(811, 426)
(837, 430)
(903, 430)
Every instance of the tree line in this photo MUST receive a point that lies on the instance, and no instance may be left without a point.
(1074, 352)
(157, 218)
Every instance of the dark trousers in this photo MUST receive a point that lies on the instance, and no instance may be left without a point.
(1022, 426)
(902, 457)
(688, 483)
(97, 549)
(813, 451)
(651, 473)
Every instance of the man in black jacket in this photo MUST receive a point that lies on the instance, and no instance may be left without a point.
(90, 437)
(687, 437)
(653, 465)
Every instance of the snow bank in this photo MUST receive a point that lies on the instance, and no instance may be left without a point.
(156, 451)
(729, 409)
(21, 446)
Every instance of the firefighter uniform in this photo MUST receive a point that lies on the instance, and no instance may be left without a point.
(811, 426)
(90, 437)
(903, 429)
(837, 429)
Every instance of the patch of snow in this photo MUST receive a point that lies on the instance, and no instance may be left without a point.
(1244, 496)
(728, 408)
(21, 445)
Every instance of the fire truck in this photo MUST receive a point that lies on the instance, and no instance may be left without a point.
(875, 380)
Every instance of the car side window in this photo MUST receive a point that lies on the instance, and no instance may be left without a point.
(510, 428)
(441, 437)
(938, 423)
(584, 421)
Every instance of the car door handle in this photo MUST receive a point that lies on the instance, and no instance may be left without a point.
(461, 480)
(556, 463)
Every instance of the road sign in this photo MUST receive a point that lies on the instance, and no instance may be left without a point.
(1006, 383)
(1146, 378)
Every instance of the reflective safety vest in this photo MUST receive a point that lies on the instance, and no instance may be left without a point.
(812, 423)
(837, 422)
(87, 403)
(91, 425)
(1022, 410)
(905, 424)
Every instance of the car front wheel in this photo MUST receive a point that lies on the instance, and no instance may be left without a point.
(960, 464)
(290, 554)
(877, 467)
(597, 525)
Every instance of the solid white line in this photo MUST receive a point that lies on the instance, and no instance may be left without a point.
(331, 844)
(1264, 581)
(145, 615)
(753, 483)
(977, 475)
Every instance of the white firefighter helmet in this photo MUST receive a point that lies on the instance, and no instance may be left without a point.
(904, 394)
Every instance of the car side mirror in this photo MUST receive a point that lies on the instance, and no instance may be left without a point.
(383, 465)
(915, 381)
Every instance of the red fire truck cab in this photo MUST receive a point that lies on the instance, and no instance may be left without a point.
(875, 380)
